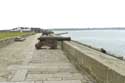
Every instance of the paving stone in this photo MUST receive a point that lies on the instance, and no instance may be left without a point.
(38, 76)
(47, 70)
(56, 76)
(59, 63)
(20, 82)
(64, 81)
(41, 66)
(55, 79)
(39, 82)
(2, 79)
(19, 75)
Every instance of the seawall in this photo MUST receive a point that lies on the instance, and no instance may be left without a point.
(7, 41)
(104, 68)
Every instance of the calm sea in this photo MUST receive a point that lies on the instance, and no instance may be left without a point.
(111, 40)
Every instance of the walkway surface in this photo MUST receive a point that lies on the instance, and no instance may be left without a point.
(29, 65)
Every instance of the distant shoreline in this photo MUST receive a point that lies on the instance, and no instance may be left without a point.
(88, 29)
(74, 29)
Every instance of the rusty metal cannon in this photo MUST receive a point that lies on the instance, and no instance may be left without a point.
(50, 41)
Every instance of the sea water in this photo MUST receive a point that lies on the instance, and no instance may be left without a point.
(112, 41)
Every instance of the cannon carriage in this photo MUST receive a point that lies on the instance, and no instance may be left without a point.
(50, 41)
(46, 32)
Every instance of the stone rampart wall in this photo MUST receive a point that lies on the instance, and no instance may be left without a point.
(104, 68)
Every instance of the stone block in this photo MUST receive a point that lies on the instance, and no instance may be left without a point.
(20, 75)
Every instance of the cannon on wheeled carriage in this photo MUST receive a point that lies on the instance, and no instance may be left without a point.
(47, 32)
(50, 41)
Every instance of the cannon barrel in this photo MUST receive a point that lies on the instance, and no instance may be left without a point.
(47, 32)
(61, 33)
(54, 38)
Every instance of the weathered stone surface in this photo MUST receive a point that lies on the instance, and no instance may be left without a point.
(20, 75)
(15, 54)
(55, 76)
(105, 68)
(40, 66)
(64, 81)
(19, 82)
(39, 82)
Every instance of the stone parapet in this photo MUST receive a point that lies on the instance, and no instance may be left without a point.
(104, 68)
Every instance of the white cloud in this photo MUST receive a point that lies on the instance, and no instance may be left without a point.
(62, 13)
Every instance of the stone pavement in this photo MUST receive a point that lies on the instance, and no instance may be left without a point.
(43, 66)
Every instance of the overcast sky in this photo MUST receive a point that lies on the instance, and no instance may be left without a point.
(62, 13)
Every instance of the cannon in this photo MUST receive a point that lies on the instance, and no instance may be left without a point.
(61, 33)
(19, 39)
(50, 41)
(47, 32)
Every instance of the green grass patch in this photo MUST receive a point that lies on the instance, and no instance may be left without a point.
(4, 35)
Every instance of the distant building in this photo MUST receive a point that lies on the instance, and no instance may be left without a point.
(21, 29)
(26, 29)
